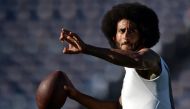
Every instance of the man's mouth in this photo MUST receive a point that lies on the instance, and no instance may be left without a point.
(125, 43)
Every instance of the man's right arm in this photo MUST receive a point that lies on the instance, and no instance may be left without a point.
(90, 102)
(128, 58)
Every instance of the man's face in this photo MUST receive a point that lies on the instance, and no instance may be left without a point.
(127, 36)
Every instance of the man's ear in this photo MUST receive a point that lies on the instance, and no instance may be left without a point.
(112, 43)
(113, 38)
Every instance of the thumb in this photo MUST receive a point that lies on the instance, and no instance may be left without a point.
(66, 88)
(70, 91)
(67, 51)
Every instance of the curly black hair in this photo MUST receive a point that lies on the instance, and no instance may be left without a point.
(144, 18)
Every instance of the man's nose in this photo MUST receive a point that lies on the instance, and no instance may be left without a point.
(126, 35)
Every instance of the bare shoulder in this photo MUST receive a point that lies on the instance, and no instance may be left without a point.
(151, 61)
(149, 55)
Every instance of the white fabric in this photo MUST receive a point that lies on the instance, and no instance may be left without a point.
(139, 93)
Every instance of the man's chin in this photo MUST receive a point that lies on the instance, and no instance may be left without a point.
(125, 48)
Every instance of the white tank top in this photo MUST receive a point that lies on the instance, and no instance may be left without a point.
(140, 93)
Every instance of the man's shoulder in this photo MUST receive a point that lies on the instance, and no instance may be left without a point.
(148, 51)
(150, 57)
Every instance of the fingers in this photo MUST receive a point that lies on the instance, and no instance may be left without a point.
(65, 32)
(65, 35)
(61, 38)
(74, 42)
(70, 37)
(70, 50)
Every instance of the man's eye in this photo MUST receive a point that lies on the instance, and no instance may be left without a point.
(122, 30)
(131, 31)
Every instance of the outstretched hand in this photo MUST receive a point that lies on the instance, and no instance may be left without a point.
(76, 45)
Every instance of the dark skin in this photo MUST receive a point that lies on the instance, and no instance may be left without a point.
(130, 53)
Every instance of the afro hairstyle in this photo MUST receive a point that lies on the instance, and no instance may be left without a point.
(145, 19)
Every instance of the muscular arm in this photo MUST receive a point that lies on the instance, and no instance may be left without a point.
(146, 62)
(88, 101)
(92, 103)
(116, 56)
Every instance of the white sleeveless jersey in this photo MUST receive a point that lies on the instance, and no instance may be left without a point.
(140, 93)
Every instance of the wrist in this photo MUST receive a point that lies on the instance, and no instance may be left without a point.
(86, 49)
(76, 95)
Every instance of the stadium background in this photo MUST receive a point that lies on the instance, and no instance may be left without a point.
(30, 48)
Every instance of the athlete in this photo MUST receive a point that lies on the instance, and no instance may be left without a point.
(131, 29)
